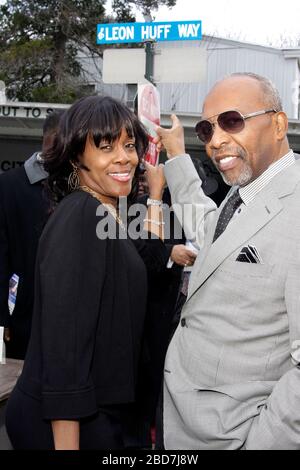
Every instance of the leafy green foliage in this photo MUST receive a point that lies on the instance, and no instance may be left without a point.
(39, 45)
(42, 43)
(123, 8)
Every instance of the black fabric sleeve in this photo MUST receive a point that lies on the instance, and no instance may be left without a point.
(72, 266)
(153, 252)
(4, 268)
(169, 248)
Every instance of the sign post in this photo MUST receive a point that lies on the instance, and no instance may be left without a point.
(149, 61)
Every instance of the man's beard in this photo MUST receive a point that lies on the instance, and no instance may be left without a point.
(242, 179)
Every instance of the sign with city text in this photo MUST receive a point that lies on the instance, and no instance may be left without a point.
(118, 33)
(17, 109)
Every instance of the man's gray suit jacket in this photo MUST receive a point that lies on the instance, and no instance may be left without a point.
(230, 379)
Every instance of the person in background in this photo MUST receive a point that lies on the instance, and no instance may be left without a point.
(232, 376)
(79, 382)
(211, 178)
(23, 213)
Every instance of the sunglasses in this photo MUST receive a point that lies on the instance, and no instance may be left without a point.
(230, 121)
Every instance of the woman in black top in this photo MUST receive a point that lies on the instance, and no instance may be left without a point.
(78, 385)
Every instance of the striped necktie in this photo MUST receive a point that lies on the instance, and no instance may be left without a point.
(227, 212)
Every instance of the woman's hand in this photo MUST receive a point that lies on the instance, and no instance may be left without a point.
(156, 180)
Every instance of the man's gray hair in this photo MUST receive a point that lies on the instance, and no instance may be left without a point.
(269, 90)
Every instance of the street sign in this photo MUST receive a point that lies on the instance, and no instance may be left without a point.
(149, 114)
(171, 65)
(124, 66)
(122, 33)
(180, 65)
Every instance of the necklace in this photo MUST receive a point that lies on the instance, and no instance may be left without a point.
(109, 207)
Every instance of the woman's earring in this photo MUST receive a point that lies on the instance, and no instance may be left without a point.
(73, 180)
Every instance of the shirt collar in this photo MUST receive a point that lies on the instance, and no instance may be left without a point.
(249, 192)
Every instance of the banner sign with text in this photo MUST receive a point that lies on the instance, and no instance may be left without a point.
(17, 109)
(118, 33)
(149, 114)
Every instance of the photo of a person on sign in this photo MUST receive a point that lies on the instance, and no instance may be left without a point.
(149, 115)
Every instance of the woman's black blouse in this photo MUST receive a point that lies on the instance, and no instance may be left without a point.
(90, 304)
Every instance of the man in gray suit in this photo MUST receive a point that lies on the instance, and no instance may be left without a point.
(232, 376)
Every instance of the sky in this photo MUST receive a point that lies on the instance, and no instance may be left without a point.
(266, 22)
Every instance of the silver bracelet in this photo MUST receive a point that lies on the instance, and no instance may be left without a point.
(155, 222)
(153, 202)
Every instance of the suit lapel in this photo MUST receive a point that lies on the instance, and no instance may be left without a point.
(259, 213)
(266, 205)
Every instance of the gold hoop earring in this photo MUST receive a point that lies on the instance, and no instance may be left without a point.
(73, 180)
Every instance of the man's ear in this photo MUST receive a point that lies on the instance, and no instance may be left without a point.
(282, 124)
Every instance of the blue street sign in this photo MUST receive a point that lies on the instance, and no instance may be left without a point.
(118, 33)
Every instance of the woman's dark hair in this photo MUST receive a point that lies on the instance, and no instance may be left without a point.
(96, 117)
